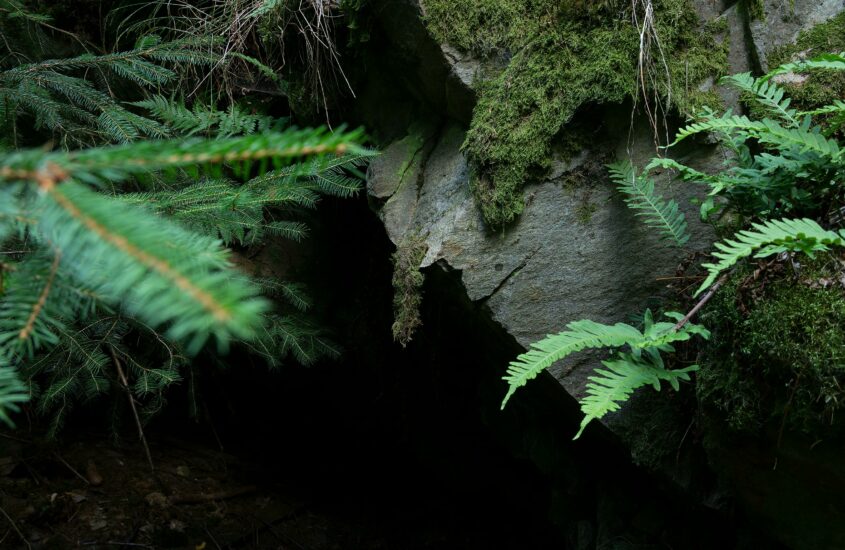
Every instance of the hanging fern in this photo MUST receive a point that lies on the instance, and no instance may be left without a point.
(204, 119)
(614, 385)
(663, 216)
(768, 238)
(642, 365)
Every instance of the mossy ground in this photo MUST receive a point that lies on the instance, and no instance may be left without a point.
(562, 56)
(778, 348)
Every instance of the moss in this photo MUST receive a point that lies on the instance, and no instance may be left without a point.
(407, 288)
(778, 349)
(563, 56)
(821, 87)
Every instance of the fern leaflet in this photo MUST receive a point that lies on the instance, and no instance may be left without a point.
(768, 94)
(829, 61)
(614, 385)
(640, 197)
(771, 237)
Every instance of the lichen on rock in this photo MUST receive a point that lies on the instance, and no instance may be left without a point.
(562, 57)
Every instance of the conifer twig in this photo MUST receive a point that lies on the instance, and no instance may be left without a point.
(125, 382)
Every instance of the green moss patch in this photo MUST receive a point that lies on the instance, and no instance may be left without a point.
(778, 348)
(563, 55)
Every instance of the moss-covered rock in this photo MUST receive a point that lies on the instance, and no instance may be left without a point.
(563, 56)
(819, 87)
(778, 348)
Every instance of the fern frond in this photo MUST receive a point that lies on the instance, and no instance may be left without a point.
(837, 107)
(768, 94)
(766, 131)
(614, 385)
(830, 61)
(202, 119)
(656, 212)
(771, 237)
(629, 371)
(578, 336)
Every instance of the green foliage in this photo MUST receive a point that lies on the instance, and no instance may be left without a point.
(94, 252)
(657, 213)
(781, 165)
(12, 392)
(767, 94)
(237, 212)
(642, 365)
(768, 238)
(562, 57)
(831, 61)
(205, 119)
(77, 110)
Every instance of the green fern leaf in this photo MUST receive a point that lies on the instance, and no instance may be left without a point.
(614, 385)
(768, 94)
(657, 213)
(771, 237)
(829, 61)
(578, 336)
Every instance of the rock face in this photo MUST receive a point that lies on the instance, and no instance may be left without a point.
(576, 251)
(781, 21)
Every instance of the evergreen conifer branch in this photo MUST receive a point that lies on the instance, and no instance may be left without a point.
(165, 275)
(12, 392)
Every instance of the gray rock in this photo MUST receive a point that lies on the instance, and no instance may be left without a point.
(576, 252)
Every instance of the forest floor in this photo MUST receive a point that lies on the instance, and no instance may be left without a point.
(92, 494)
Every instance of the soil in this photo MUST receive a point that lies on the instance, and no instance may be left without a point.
(94, 494)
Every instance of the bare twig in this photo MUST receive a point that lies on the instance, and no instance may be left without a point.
(208, 497)
(125, 382)
(15, 527)
(71, 468)
(704, 299)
